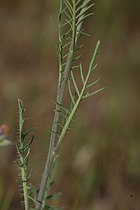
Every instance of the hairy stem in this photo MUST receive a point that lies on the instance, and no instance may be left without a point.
(21, 156)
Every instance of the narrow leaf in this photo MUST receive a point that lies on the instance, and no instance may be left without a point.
(74, 82)
(81, 73)
(93, 83)
(71, 95)
(93, 93)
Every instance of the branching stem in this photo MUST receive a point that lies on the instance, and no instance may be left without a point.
(76, 25)
(60, 94)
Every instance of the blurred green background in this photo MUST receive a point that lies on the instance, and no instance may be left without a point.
(99, 167)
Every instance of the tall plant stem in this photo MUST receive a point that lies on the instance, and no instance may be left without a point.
(51, 153)
(59, 101)
(21, 154)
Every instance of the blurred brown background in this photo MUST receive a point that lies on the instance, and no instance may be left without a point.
(99, 165)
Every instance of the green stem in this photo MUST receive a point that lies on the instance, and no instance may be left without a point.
(79, 98)
(21, 156)
(24, 184)
(60, 95)
(51, 153)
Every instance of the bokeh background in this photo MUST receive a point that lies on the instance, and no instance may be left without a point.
(99, 166)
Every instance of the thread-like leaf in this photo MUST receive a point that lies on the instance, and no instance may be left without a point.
(93, 83)
(74, 82)
(70, 91)
(84, 10)
(69, 6)
(93, 93)
(81, 73)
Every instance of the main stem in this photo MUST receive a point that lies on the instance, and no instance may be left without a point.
(59, 101)
(51, 153)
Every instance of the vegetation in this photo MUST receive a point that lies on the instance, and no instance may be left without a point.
(105, 134)
(74, 12)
